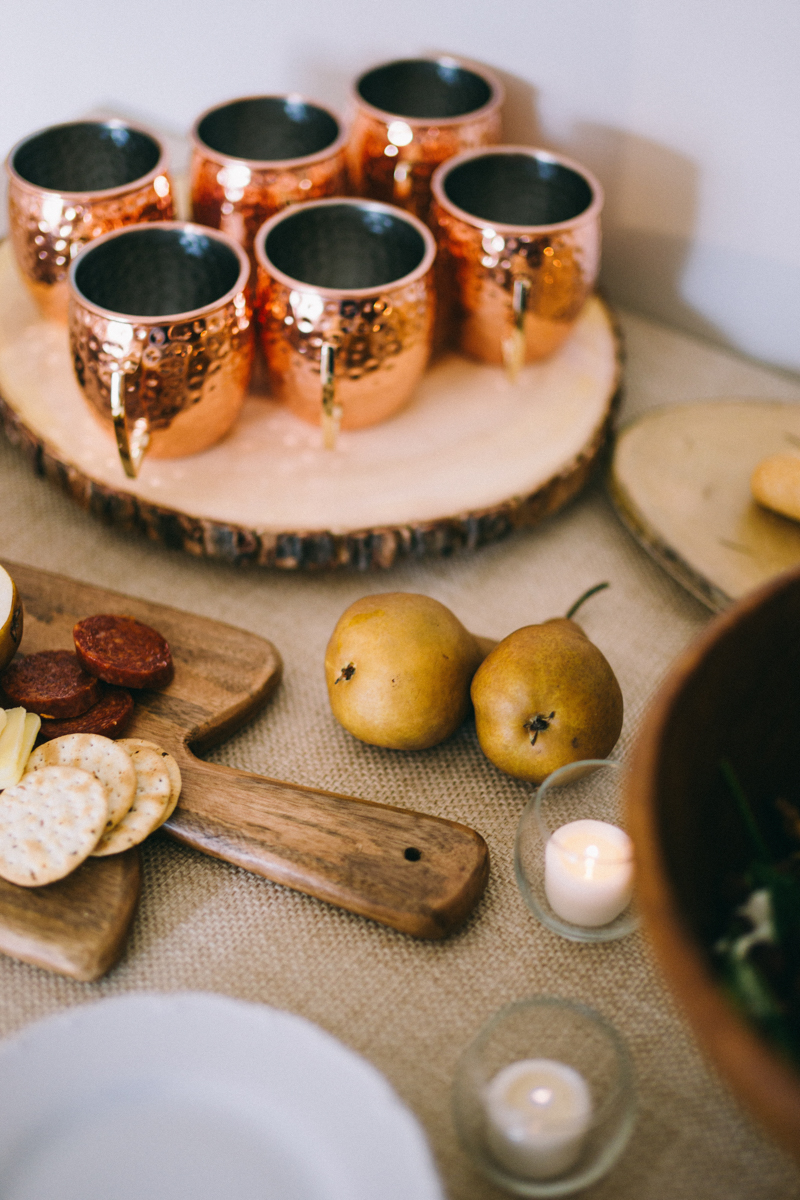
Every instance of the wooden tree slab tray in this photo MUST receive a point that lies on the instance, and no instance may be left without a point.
(680, 479)
(350, 852)
(471, 458)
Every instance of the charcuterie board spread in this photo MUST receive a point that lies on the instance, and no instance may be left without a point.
(470, 458)
(417, 873)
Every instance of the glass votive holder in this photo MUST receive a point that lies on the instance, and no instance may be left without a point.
(543, 1098)
(573, 858)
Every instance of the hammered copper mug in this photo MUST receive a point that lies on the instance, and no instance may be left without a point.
(519, 237)
(411, 115)
(254, 156)
(161, 336)
(71, 183)
(346, 305)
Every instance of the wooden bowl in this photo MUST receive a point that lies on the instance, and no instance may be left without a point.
(734, 693)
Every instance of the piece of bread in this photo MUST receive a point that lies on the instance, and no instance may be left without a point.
(775, 484)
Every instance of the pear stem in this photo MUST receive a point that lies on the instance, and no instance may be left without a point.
(598, 587)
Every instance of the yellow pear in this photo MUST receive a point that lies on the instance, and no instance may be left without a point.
(544, 697)
(398, 668)
(10, 619)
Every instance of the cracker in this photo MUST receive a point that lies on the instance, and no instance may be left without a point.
(102, 758)
(775, 483)
(49, 823)
(173, 770)
(150, 804)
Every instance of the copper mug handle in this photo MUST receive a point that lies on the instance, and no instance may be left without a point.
(514, 343)
(402, 183)
(331, 411)
(131, 445)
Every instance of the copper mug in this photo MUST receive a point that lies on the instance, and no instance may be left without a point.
(519, 238)
(411, 115)
(346, 304)
(161, 336)
(254, 156)
(69, 184)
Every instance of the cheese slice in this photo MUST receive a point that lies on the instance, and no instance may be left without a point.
(3, 719)
(33, 724)
(11, 746)
(16, 742)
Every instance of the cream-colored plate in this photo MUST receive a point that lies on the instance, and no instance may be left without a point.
(680, 479)
(469, 441)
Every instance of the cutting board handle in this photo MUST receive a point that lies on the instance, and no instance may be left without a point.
(416, 873)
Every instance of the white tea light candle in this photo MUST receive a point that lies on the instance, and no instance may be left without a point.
(588, 872)
(538, 1111)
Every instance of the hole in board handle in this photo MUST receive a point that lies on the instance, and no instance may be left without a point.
(413, 854)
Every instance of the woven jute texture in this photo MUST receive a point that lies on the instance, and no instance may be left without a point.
(411, 1007)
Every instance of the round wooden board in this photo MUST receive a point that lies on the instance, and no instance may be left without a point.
(680, 478)
(471, 457)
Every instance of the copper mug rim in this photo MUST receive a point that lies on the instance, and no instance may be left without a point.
(495, 101)
(265, 164)
(422, 268)
(590, 213)
(161, 167)
(172, 318)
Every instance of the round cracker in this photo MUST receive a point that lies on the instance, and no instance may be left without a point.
(151, 802)
(49, 823)
(102, 758)
(173, 770)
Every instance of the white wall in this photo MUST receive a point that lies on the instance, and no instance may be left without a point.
(688, 110)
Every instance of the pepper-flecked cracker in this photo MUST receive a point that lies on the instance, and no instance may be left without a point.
(173, 770)
(101, 757)
(150, 804)
(49, 823)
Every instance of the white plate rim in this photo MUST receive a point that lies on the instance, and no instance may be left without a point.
(36, 1064)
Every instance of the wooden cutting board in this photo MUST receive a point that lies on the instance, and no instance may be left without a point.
(419, 874)
(680, 479)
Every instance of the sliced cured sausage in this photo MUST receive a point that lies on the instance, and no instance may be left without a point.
(123, 651)
(51, 683)
(110, 717)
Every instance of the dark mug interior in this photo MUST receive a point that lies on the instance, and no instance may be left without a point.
(268, 129)
(344, 246)
(517, 189)
(86, 156)
(424, 88)
(155, 272)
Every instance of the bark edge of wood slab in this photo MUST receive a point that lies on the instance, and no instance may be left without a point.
(346, 851)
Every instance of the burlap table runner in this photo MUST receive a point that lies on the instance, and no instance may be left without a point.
(410, 1007)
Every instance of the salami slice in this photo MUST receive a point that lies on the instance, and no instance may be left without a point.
(110, 717)
(123, 651)
(51, 683)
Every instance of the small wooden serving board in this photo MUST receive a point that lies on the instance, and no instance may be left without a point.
(349, 852)
(680, 479)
